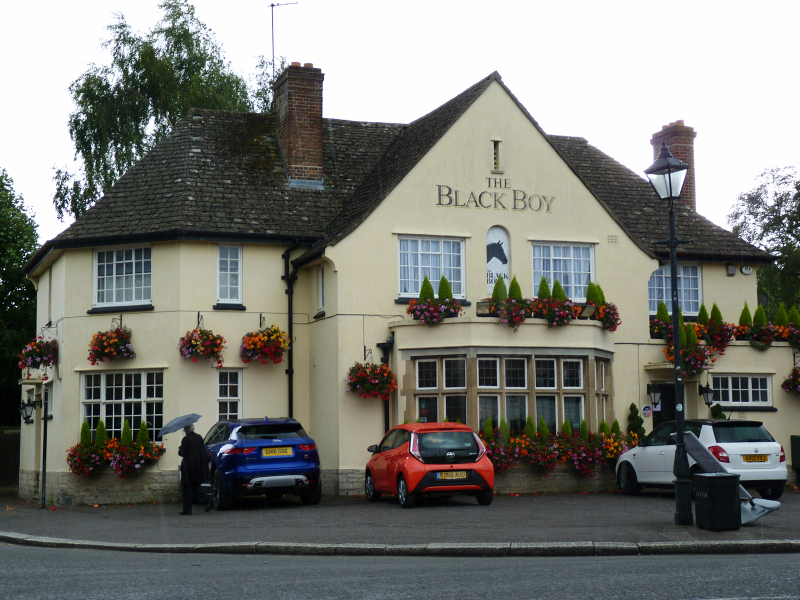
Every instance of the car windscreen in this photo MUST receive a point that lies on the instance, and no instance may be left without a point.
(269, 431)
(741, 433)
(439, 443)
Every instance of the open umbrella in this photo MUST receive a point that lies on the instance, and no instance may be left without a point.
(179, 423)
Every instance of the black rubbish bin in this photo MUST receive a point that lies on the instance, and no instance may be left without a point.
(716, 503)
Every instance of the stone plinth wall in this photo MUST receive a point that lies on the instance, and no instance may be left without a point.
(342, 482)
(64, 489)
(523, 479)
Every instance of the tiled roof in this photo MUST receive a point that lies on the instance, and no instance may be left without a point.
(219, 175)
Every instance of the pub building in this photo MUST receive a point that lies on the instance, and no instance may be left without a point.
(326, 229)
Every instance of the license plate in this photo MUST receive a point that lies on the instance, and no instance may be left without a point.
(451, 475)
(755, 457)
(267, 452)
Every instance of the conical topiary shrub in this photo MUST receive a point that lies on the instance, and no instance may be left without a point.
(488, 431)
(530, 428)
(794, 317)
(426, 290)
(603, 428)
(585, 431)
(514, 291)
(662, 314)
(702, 315)
(760, 316)
(691, 336)
(615, 428)
(781, 317)
(101, 435)
(505, 432)
(566, 428)
(143, 438)
(601, 294)
(126, 437)
(716, 314)
(745, 318)
(445, 292)
(86, 435)
(543, 293)
(543, 431)
(558, 291)
(592, 296)
(499, 293)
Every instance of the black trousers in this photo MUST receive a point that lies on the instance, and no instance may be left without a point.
(193, 492)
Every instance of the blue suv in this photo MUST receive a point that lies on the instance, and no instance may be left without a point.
(262, 456)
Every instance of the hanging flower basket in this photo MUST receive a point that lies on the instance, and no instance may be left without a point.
(202, 343)
(266, 345)
(792, 383)
(369, 380)
(433, 311)
(111, 344)
(39, 354)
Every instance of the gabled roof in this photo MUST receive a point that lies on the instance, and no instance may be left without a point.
(219, 176)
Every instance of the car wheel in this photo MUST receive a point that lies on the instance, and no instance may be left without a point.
(369, 488)
(485, 497)
(406, 498)
(627, 480)
(772, 493)
(222, 497)
(312, 497)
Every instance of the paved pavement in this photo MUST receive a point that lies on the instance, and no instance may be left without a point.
(527, 525)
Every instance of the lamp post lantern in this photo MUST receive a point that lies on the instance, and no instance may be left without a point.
(667, 175)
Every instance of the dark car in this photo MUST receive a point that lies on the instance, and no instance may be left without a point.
(262, 456)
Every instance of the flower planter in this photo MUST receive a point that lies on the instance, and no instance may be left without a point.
(523, 479)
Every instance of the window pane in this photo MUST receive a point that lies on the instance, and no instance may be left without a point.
(487, 372)
(455, 373)
(573, 411)
(455, 409)
(573, 374)
(516, 411)
(123, 276)
(428, 409)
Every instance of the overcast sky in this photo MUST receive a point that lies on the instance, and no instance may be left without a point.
(612, 72)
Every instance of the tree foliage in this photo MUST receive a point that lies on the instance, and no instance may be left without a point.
(124, 108)
(18, 242)
(768, 216)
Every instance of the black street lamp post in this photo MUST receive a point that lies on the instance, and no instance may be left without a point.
(667, 175)
(26, 409)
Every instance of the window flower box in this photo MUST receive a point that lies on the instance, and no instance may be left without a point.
(433, 311)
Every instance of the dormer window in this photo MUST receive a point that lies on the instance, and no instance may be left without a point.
(496, 164)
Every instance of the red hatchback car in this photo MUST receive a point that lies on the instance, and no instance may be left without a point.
(429, 458)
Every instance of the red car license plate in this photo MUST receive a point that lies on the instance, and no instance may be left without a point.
(451, 475)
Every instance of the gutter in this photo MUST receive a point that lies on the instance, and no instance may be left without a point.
(290, 277)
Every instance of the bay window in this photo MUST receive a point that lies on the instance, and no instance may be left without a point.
(115, 397)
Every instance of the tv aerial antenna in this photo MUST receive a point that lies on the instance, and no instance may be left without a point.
(272, 10)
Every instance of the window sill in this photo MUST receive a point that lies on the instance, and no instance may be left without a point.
(104, 310)
(407, 300)
(729, 408)
(229, 307)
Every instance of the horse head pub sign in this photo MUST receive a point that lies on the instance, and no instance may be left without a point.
(499, 196)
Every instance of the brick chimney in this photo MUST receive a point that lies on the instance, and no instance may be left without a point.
(298, 105)
(680, 141)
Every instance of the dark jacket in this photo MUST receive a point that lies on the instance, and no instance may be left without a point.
(194, 466)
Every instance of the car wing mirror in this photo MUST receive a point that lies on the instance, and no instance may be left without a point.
(373, 448)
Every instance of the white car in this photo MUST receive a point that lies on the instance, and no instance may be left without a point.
(744, 448)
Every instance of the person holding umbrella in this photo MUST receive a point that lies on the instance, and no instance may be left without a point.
(194, 470)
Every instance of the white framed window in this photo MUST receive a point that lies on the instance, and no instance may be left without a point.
(123, 277)
(516, 411)
(571, 264)
(488, 373)
(455, 409)
(431, 257)
(488, 409)
(738, 390)
(546, 408)
(572, 373)
(659, 289)
(516, 373)
(321, 287)
(602, 375)
(427, 374)
(573, 411)
(545, 373)
(229, 274)
(428, 409)
(229, 395)
(128, 395)
(455, 373)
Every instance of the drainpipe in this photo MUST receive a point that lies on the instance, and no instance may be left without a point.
(290, 277)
